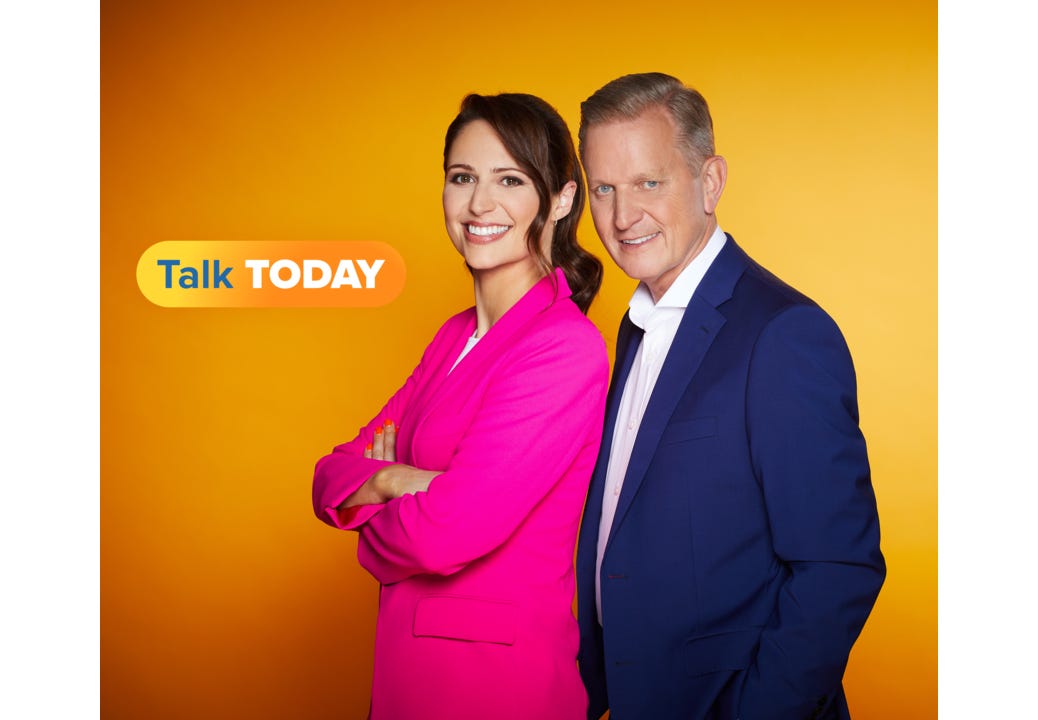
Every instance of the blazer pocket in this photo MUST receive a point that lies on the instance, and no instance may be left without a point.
(732, 650)
(686, 430)
(456, 617)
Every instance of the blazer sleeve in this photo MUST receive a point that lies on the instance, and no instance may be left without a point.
(811, 461)
(538, 415)
(340, 473)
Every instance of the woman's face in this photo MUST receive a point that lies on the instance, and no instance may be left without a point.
(488, 202)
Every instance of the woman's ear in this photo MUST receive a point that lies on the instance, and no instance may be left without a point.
(564, 201)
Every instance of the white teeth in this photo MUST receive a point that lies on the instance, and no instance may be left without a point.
(639, 241)
(484, 230)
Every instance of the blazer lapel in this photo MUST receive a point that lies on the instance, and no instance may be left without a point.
(448, 346)
(494, 343)
(699, 326)
(628, 339)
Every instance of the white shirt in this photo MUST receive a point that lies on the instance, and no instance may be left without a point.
(660, 322)
(469, 344)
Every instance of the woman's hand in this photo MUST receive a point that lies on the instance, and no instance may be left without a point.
(383, 447)
(395, 481)
(392, 481)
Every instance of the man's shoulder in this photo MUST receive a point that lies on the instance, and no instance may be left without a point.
(759, 290)
(776, 314)
(763, 303)
(767, 284)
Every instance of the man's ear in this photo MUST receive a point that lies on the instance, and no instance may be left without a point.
(564, 201)
(713, 175)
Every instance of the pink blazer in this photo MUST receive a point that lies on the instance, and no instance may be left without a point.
(475, 612)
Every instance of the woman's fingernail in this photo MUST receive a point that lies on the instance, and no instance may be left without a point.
(369, 447)
(378, 430)
(388, 423)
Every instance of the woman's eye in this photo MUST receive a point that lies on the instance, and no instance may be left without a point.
(511, 181)
(462, 179)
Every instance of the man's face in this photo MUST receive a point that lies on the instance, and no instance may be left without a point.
(651, 212)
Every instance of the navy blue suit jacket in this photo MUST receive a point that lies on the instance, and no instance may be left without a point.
(744, 555)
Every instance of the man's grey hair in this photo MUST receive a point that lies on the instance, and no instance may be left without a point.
(627, 97)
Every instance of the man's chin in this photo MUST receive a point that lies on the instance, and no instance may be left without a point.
(635, 270)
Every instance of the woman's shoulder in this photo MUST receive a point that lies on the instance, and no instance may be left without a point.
(459, 324)
(564, 347)
(564, 326)
(566, 313)
(461, 319)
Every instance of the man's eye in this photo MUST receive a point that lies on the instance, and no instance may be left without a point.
(651, 184)
(462, 179)
(603, 189)
(511, 181)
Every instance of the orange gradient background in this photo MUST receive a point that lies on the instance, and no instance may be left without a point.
(222, 595)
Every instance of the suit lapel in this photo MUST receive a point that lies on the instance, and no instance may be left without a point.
(696, 333)
(628, 339)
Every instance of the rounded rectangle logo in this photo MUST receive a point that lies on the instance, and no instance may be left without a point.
(262, 273)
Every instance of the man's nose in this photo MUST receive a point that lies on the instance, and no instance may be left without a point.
(626, 211)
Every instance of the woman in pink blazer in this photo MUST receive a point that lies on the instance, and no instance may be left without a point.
(467, 487)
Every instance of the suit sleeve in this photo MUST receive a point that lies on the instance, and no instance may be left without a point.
(811, 461)
(539, 414)
(339, 474)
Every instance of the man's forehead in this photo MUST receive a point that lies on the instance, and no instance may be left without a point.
(652, 116)
(652, 122)
(630, 147)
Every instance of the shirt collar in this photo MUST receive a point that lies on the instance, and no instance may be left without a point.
(679, 294)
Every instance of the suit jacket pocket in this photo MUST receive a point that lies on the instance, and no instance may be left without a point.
(456, 617)
(685, 430)
(731, 650)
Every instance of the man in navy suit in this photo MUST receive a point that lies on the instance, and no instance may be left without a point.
(729, 553)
